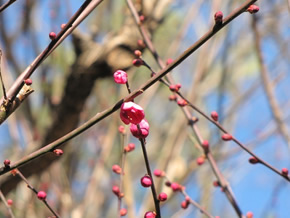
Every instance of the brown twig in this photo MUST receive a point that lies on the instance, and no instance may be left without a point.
(6, 5)
(269, 91)
(6, 205)
(100, 116)
(36, 192)
(13, 91)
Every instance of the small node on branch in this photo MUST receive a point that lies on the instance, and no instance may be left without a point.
(253, 9)
(123, 212)
(41, 195)
(137, 62)
(28, 82)
(146, 181)
(141, 43)
(7, 163)
(58, 152)
(162, 196)
(218, 18)
(150, 214)
(227, 137)
(137, 53)
(253, 160)
(214, 115)
(14, 172)
(168, 183)
(285, 172)
(52, 35)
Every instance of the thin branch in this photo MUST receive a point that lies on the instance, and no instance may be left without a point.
(79, 16)
(6, 205)
(269, 90)
(100, 116)
(6, 5)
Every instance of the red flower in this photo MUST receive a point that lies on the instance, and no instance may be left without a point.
(131, 113)
(143, 132)
(120, 77)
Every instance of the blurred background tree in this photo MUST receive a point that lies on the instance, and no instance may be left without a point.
(76, 82)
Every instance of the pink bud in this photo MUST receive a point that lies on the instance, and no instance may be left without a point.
(227, 137)
(250, 215)
(28, 82)
(116, 190)
(205, 145)
(216, 183)
(218, 17)
(116, 169)
(7, 163)
(253, 9)
(120, 77)
(143, 132)
(184, 204)
(214, 115)
(169, 61)
(285, 172)
(159, 173)
(182, 102)
(10, 202)
(162, 196)
(131, 113)
(172, 97)
(123, 212)
(146, 181)
(52, 35)
(175, 187)
(138, 53)
(41, 195)
(141, 43)
(172, 88)
(150, 214)
(62, 26)
(253, 160)
(131, 146)
(200, 160)
(137, 62)
(58, 152)
(141, 18)
(122, 129)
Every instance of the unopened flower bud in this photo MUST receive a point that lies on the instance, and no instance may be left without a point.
(146, 181)
(218, 17)
(41, 195)
(52, 35)
(162, 196)
(214, 115)
(253, 9)
(227, 137)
